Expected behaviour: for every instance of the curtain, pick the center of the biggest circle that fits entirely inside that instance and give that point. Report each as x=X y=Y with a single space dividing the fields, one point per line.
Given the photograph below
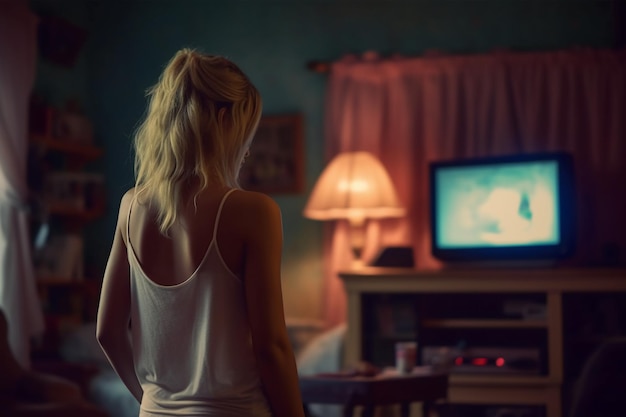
x=18 y=296
x=410 y=111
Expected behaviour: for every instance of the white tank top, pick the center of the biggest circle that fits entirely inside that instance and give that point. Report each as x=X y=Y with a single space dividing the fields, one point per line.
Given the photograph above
x=191 y=341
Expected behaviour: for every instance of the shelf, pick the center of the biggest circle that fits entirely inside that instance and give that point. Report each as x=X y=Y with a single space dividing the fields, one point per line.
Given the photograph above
x=71 y=197
x=63 y=318
x=83 y=284
x=484 y=308
x=59 y=282
x=491 y=380
x=76 y=213
x=484 y=323
x=395 y=336
x=67 y=146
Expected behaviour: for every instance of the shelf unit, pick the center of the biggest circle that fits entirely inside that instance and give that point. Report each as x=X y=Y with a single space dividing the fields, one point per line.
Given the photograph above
x=67 y=300
x=86 y=153
x=453 y=303
x=483 y=324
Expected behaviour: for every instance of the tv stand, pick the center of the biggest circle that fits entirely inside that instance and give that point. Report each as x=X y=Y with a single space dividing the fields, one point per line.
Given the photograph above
x=388 y=305
x=503 y=264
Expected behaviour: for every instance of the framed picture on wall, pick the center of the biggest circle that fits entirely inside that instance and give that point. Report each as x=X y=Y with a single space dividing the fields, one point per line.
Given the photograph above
x=276 y=161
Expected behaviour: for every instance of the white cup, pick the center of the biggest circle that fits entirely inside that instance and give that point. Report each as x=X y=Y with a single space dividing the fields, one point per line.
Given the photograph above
x=406 y=356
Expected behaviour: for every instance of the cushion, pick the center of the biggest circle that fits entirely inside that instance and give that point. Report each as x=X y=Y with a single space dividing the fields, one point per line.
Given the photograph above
x=81 y=346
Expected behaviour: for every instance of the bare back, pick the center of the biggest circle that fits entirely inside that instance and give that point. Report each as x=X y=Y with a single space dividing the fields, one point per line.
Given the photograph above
x=249 y=242
x=172 y=260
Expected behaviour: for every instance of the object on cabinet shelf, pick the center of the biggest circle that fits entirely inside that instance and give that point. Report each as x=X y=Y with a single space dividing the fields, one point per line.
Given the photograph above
x=66 y=125
x=61 y=257
x=395 y=317
x=484 y=360
x=74 y=128
x=74 y=191
x=82 y=153
x=395 y=257
x=525 y=309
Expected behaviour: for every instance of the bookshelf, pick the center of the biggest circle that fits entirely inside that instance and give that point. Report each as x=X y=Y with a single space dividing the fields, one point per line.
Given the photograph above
x=69 y=197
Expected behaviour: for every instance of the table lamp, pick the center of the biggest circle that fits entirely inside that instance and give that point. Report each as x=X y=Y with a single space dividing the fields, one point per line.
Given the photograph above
x=355 y=186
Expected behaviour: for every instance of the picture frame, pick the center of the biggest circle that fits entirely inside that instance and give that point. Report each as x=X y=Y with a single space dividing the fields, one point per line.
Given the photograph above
x=276 y=161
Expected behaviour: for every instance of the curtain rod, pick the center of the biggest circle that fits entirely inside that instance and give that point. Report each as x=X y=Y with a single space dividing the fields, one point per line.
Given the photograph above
x=321 y=67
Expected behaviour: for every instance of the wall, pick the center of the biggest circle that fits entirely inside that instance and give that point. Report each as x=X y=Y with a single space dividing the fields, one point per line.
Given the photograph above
x=272 y=41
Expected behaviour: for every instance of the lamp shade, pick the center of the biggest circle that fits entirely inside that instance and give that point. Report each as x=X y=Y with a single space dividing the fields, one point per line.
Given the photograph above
x=354 y=186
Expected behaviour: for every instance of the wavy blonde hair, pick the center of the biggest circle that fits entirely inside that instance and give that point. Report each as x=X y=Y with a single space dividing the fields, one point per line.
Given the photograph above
x=201 y=117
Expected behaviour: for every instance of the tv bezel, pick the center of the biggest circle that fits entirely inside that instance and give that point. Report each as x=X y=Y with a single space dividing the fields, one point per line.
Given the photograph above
x=566 y=213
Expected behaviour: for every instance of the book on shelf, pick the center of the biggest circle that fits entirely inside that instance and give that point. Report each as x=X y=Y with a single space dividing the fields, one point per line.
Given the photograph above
x=74 y=190
x=61 y=258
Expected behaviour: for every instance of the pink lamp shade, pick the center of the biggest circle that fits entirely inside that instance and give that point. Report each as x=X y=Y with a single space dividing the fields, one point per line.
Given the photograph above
x=354 y=186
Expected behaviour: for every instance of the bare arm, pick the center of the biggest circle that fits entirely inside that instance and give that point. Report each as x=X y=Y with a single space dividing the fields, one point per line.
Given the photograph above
x=274 y=354
x=113 y=321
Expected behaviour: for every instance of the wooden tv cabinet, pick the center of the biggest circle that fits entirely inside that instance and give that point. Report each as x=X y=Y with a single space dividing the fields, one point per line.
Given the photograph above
x=449 y=291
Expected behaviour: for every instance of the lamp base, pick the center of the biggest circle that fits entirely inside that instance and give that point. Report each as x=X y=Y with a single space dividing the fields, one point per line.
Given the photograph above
x=357 y=260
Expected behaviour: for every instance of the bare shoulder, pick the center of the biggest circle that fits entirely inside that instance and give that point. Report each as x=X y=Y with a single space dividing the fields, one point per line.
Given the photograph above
x=123 y=210
x=253 y=205
x=253 y=214
x=127 y=197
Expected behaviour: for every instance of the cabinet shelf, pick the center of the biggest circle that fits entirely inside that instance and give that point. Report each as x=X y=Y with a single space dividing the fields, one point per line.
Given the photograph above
x=76 y=213
x=498 y=380
x=484 y=324
x=484 y=309
x=394 y=336
x=64 y=282
x=63 y=145
x=70 y=196
x=66 y=318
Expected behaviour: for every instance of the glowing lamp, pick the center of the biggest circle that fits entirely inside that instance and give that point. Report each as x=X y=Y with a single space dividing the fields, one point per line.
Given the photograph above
x=355 y=187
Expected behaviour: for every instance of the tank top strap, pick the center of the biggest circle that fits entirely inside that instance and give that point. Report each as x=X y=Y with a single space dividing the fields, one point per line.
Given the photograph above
x=219 y=212
x=130 y=207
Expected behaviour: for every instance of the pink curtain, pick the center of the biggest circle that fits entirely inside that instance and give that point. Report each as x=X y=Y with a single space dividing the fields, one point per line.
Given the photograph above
x=18 y=296
x=410 y=111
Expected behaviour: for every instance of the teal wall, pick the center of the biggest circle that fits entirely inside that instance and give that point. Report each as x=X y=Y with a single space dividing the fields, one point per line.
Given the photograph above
x=272 y=41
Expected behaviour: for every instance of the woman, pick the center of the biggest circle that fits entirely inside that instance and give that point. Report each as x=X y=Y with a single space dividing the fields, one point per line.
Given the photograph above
x=191 y=313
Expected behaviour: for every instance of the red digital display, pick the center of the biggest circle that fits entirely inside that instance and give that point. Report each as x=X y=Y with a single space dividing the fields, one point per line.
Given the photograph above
x=479 y=361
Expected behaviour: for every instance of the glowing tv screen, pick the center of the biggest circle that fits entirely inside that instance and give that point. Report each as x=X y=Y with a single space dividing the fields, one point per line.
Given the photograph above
x=514 y=207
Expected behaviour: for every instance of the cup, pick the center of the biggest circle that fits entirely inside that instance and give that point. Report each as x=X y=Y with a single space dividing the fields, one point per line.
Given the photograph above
x=406 y=355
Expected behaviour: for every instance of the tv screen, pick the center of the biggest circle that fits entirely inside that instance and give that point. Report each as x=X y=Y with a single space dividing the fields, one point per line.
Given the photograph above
x=498 y=208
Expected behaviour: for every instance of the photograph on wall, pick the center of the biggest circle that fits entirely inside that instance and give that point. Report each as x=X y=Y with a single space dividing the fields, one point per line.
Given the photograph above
x=275 y=163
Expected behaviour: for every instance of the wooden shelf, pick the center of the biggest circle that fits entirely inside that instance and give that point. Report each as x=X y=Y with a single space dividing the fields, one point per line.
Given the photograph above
x=491 y=380
x=392 y=337
x=62 y=282
x=72 y=197
x=76 y=213
x=65 y=318
x=545 y=388
x=87 y=285
x=484 y=323
x=65 y=145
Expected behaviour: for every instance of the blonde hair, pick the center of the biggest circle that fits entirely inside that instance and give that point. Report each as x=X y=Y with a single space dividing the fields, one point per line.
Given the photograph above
x=201 y=117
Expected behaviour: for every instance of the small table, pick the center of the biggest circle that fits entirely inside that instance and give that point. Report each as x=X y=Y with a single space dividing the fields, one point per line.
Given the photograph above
x=422 y=385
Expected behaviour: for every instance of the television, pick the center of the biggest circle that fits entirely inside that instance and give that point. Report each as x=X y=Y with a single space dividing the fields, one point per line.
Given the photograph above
x=504 y=208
